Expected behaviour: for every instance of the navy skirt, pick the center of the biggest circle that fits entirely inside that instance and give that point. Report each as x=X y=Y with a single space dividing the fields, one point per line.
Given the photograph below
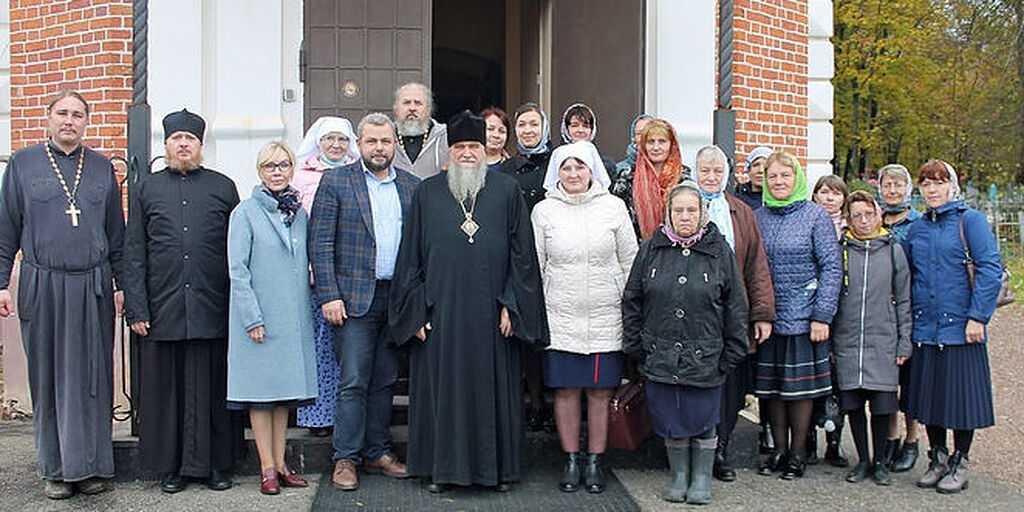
x=569 y=370
x=951 y=386
x=269 y=406
x=678 y=412
x=791 y=367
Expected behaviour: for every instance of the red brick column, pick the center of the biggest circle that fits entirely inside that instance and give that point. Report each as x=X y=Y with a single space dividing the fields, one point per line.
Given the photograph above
x=80 y=44
x=769 y=84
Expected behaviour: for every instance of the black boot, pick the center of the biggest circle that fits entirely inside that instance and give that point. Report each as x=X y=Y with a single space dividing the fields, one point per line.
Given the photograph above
x=812 y=446
x=834 y=449
x=907 y=458
x=571 y=476
x=722 y=470
x=593 y=476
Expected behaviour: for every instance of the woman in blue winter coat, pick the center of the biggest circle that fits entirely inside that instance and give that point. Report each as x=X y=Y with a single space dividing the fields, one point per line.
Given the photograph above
x=950 y=384
x=793 y=364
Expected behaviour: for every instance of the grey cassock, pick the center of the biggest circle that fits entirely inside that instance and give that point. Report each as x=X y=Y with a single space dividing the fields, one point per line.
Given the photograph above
x=65 y=302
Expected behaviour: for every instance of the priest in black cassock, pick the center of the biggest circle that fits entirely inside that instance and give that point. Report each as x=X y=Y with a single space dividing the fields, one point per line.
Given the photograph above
x=61 y=206
x=466 y=293
x=176 y=300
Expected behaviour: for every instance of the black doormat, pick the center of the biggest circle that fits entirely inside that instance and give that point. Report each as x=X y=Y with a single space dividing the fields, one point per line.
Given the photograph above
x=538 y=492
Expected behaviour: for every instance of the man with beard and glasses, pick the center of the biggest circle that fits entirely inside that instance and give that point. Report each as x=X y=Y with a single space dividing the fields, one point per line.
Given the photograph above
x=466 y=293
x=176 y=301
x=61 y=207
x=422 y=142
x=355 y=230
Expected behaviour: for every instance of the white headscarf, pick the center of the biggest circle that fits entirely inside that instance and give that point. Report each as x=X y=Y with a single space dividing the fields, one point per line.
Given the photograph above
x=583 y=151
x=565 y=129
x=718 y=206
x=954 y=183
x=311 y=142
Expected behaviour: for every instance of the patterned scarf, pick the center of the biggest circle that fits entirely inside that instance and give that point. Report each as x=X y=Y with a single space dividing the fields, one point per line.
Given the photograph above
x=288 y=203
x=649 y=187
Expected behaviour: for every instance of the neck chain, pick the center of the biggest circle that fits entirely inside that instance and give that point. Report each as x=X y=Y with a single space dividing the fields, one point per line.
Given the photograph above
x=469 y=226
x=401 y=140
x=72 y=210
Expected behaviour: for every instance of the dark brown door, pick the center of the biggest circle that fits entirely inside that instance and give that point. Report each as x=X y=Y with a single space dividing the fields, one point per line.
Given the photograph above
x=357 y=52
x=597 y=58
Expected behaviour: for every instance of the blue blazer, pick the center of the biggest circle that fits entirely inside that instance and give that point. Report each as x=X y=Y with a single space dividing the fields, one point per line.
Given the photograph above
x=342 y=247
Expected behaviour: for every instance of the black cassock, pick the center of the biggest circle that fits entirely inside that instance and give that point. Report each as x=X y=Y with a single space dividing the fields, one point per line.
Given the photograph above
x=176 y=277
x=465 y=396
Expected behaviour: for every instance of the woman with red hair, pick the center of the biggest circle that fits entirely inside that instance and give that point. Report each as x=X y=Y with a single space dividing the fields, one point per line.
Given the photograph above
x=659 y=167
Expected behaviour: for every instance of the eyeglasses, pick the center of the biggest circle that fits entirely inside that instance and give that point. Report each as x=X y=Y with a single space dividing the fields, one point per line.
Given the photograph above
x=333 y=139
x=868 y=215
x=284 y=165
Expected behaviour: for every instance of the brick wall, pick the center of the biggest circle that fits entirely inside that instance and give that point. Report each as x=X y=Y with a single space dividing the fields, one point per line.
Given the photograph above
x=770 y=75
x=79 y=44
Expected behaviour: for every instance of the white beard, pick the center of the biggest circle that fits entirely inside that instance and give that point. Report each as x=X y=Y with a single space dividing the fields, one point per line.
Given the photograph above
x=413 y=127
x=466 y=181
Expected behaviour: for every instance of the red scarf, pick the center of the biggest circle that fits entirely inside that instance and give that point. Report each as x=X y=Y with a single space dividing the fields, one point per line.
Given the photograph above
x=650 y=188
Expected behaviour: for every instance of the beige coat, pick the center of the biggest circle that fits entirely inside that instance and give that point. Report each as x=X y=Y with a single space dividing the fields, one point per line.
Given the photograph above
x=585 y=246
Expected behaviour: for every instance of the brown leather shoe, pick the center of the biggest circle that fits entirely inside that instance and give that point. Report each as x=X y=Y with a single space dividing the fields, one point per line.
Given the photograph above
x=345 y=477
x=387 y=464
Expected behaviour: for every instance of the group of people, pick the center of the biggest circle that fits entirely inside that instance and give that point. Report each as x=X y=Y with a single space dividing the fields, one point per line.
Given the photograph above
x=406 y=237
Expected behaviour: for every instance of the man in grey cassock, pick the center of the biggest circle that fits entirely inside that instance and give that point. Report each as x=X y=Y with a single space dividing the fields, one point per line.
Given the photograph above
x=61 y=206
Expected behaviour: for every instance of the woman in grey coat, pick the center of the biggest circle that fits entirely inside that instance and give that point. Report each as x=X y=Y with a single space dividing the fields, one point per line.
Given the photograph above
x=271 y=349
x=871 y=331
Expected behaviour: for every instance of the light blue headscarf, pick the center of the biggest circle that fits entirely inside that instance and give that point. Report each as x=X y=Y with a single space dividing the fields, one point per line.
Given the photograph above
x=543 y=146
x=630 y=160
x=718 y=206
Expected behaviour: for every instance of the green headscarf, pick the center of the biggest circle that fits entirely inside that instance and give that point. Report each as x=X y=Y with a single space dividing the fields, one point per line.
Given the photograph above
x=800 y=190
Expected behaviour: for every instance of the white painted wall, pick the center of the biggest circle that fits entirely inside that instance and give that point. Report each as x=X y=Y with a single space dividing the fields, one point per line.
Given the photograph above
x=5 y=83
x=820 y=70
x=680 y=69
x=227 y=60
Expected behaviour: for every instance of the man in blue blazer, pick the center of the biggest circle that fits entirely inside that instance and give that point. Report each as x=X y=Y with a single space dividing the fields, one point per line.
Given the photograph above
x=354 y=234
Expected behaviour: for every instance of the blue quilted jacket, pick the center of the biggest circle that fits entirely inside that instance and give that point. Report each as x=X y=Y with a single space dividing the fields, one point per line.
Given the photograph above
x=804 y=257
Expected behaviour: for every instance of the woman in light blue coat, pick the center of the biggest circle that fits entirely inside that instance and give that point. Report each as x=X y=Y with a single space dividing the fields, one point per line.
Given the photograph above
x=271 y=354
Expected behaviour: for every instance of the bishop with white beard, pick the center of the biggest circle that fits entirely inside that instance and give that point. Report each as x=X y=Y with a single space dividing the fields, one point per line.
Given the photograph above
x=466 y=294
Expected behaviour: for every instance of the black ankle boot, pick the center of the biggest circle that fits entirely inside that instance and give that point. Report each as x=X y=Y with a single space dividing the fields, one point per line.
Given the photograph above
x=834 y=449
x=571 y=476
x=593 y=476
x=906 y=459
x=722 y=470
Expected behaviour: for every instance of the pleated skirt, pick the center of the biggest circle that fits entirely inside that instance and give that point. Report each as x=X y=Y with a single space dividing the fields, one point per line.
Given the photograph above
x=678 y=412
x=951 y=386
x=791 y=367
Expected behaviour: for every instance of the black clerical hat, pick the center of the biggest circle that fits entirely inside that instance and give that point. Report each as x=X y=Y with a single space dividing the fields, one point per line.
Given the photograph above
x=184 y=121
x=465 y=126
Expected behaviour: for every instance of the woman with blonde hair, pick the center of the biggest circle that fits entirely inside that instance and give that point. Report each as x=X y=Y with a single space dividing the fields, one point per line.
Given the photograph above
x=271 y=356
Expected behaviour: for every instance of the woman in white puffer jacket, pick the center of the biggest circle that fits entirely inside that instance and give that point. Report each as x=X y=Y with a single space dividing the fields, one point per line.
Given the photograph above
x=585 y=246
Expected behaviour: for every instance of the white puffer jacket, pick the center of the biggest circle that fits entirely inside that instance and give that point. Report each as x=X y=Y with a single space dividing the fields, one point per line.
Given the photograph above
x=585 y=246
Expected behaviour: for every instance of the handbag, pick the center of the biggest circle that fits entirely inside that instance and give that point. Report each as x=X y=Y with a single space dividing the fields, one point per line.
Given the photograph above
x=1005 y=292
x=629 y=421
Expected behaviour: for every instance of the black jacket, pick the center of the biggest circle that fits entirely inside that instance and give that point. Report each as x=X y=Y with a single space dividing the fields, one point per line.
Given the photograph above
x=175 y=254
x=528 y=176
x=685 y=311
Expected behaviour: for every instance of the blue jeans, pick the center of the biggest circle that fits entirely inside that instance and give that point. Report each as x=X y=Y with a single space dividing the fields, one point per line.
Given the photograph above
x=369 y=369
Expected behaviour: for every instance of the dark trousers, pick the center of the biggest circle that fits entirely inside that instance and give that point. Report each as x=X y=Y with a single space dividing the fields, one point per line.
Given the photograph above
x=369 y=368
x=184 y=423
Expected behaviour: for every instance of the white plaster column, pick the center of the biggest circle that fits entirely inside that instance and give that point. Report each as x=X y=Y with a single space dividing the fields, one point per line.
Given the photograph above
x=229 y=61
x=679 y=82
x=820 y=70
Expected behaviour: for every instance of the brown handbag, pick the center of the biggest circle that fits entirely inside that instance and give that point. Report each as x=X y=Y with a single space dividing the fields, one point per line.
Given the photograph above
x=629 y=421
x=1005 y=292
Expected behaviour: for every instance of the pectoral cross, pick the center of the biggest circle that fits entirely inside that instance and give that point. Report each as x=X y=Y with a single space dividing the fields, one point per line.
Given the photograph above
x=73 y=212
